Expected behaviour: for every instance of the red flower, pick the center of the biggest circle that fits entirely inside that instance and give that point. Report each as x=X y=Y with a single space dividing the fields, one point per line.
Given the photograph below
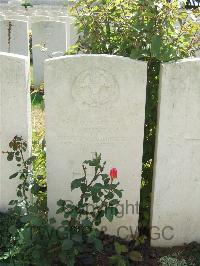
x=113 y=173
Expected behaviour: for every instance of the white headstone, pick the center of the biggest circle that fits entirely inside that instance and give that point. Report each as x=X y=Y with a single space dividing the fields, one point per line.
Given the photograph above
x=95 y=103
x=176 y=189
x=49 y=2
x=18 y=17
x=38 y=18
x=72 y=33
x=48 y=37
x=2 y=17
x=14 y=37
x=15 y=117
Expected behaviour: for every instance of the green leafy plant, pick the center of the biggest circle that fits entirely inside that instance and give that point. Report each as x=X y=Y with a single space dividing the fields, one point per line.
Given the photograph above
x=39 y=166
x=171 y=261
x=30 y=239
x=37 y=96
x=123 y=256
x=26 y=4
x=6 y=243
x=99 y=198
x=35 y=237
x=192 y=254
x=143 y=30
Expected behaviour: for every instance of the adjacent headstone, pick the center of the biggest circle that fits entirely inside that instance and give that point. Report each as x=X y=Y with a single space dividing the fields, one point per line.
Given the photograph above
x=38 y=18
x=2 y=17
x=176 y=189
x=14 y=37
x=18 y=17
x=48 y=37
x=95 y=103
x=15 y=117
x=49 y=2
x=72 y=33
x=14 y=2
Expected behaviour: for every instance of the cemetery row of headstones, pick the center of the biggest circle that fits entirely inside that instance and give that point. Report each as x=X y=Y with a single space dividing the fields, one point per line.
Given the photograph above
x=35 y=18
x=96 y=103
x=48 y=39
x=50 y=28
x=36 y=2
x=34 y=14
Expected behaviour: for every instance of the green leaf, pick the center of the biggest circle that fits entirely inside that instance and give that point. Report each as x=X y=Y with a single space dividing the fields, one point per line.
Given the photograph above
x=109 y=213
x=97 y=186
x=14 y=175
x=117 y=260
x=18 y=159
x=36 y=221
x=77 y=238
x=86 y=222
x=110 y=195
x=83 y=187
x=118 y=192
x=13 y=202
x=114 y=259
x=104 y=176
x=120 y=248
x=65 y=222
x=61 y=202
x=12 y=229
x=95 y=198
x=60 y=210
x=74 y=213
x=27 y=235
x=33 y=208
x=66 y=215
x=135 y=53
x=52 y=220
x=19 y=193
x=114 y=186
x=106 y=181
x=70 y=260
x=35 y=189
x=10 y=156
x=30 y=160
x=114 y=202
x=67 y=244
x=98 y=244
x=99 y=217
x=77 y=183
x=135 y=256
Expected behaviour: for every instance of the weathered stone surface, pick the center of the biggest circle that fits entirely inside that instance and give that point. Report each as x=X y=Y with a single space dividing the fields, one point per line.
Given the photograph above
x=15 y=117
x=72 y=34
x=14 y=37
x=95 y=103
x=49 y=2
x=48 y=37
x=176 y=189
x=38 y=18
x=17 y=17
x=2 y=17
